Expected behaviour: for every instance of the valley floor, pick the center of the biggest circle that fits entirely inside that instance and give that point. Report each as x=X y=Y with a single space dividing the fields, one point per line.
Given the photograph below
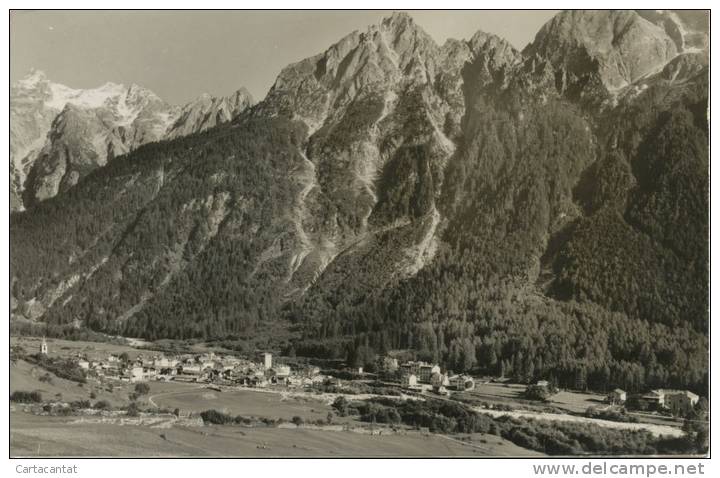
x=32 y=435
x=158 y=433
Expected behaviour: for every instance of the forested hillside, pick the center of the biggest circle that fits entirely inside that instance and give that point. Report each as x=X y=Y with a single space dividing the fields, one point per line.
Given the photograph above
x=171 y=228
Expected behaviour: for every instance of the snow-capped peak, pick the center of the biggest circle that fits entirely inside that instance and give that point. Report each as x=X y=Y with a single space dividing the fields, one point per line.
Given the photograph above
x=89 y=98
x=32 y=79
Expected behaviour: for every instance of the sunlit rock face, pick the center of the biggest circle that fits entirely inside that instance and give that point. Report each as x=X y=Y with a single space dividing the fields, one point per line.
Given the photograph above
x=383 y=109
x=208 y=111
x=619 y=47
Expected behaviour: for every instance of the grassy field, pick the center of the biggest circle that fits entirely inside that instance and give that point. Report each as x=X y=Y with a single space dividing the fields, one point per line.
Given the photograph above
x=25 y=376
x=513 y=394
x=192 y=398
x=70 y=348
x=564 y=401
x=52 y=436
x=32 y=435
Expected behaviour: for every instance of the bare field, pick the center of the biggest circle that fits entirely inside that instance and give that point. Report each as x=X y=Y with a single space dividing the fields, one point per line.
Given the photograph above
x=51 y=436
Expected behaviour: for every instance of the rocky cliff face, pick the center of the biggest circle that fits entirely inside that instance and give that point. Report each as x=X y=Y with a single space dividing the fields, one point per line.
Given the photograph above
x=383 y=110
x=466 y=201
x=207 y=112
x=74 y=131
x=59 y=134
x=30 y=120
x=689 y=29
x=618 y=47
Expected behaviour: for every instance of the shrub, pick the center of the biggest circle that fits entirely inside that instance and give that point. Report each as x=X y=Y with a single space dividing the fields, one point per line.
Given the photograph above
x=616 y=415
x=25 y=397
x=132 y=410
x=102 y=405
x=341 y=404
x=242 y=420
x=63 y=368
x=142 y=389
x=523 y=439
x=269 y=421
x=540 y=392
x=216 y=418
x=80 y=404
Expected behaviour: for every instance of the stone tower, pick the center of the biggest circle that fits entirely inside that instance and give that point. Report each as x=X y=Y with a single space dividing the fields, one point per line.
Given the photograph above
x=43 y=347
x=268 y=360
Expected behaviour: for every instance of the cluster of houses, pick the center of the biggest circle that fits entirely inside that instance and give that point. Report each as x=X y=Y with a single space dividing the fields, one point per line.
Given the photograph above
x=231 y=370
x=421 y=375
x=678 y=402
x=207 y=367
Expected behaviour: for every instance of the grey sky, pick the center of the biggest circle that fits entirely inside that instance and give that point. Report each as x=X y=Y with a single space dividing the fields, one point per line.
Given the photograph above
x=180 y=55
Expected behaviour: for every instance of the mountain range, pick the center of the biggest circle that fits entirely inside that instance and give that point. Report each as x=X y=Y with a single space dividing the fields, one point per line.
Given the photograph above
x=534 y=213
x=59 y=134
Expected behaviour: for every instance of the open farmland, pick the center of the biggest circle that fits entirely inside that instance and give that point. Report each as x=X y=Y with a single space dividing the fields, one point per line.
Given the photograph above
x=71 y=348
x=54 y=436
x=25 y=376
x=565 y=405
x=193 y=398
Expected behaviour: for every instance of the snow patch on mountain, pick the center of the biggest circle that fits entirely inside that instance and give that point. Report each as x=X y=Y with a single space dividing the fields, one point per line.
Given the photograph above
x=60 y=95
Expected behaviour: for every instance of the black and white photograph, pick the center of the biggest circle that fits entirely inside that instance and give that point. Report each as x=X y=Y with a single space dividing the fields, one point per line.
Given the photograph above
x=358 y=234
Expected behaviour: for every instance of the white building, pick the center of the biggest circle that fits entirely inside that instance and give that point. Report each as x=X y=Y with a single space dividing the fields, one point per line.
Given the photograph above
x=439 y=380
x=617 y=397
x=410 y=380
x=136 y=374
x=267 y=360
x=191 y=369
x=282 y=371
x=423 y=371
x=390 y=364
x=462 y=382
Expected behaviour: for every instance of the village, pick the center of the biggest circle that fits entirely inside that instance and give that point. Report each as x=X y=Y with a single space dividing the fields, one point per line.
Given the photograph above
x=230 y=370
x=217 y=370
x=180 y=390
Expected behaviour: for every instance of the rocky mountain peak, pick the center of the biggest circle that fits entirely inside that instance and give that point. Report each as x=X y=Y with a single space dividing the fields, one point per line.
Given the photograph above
x=394 y=52
x=241 y=97
x=689 y=29
x=620 y=46
x=398 y=20
x=32 y=79
x=207 y=111
x=138 y=93
x=483 y=42
x=59 y=133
